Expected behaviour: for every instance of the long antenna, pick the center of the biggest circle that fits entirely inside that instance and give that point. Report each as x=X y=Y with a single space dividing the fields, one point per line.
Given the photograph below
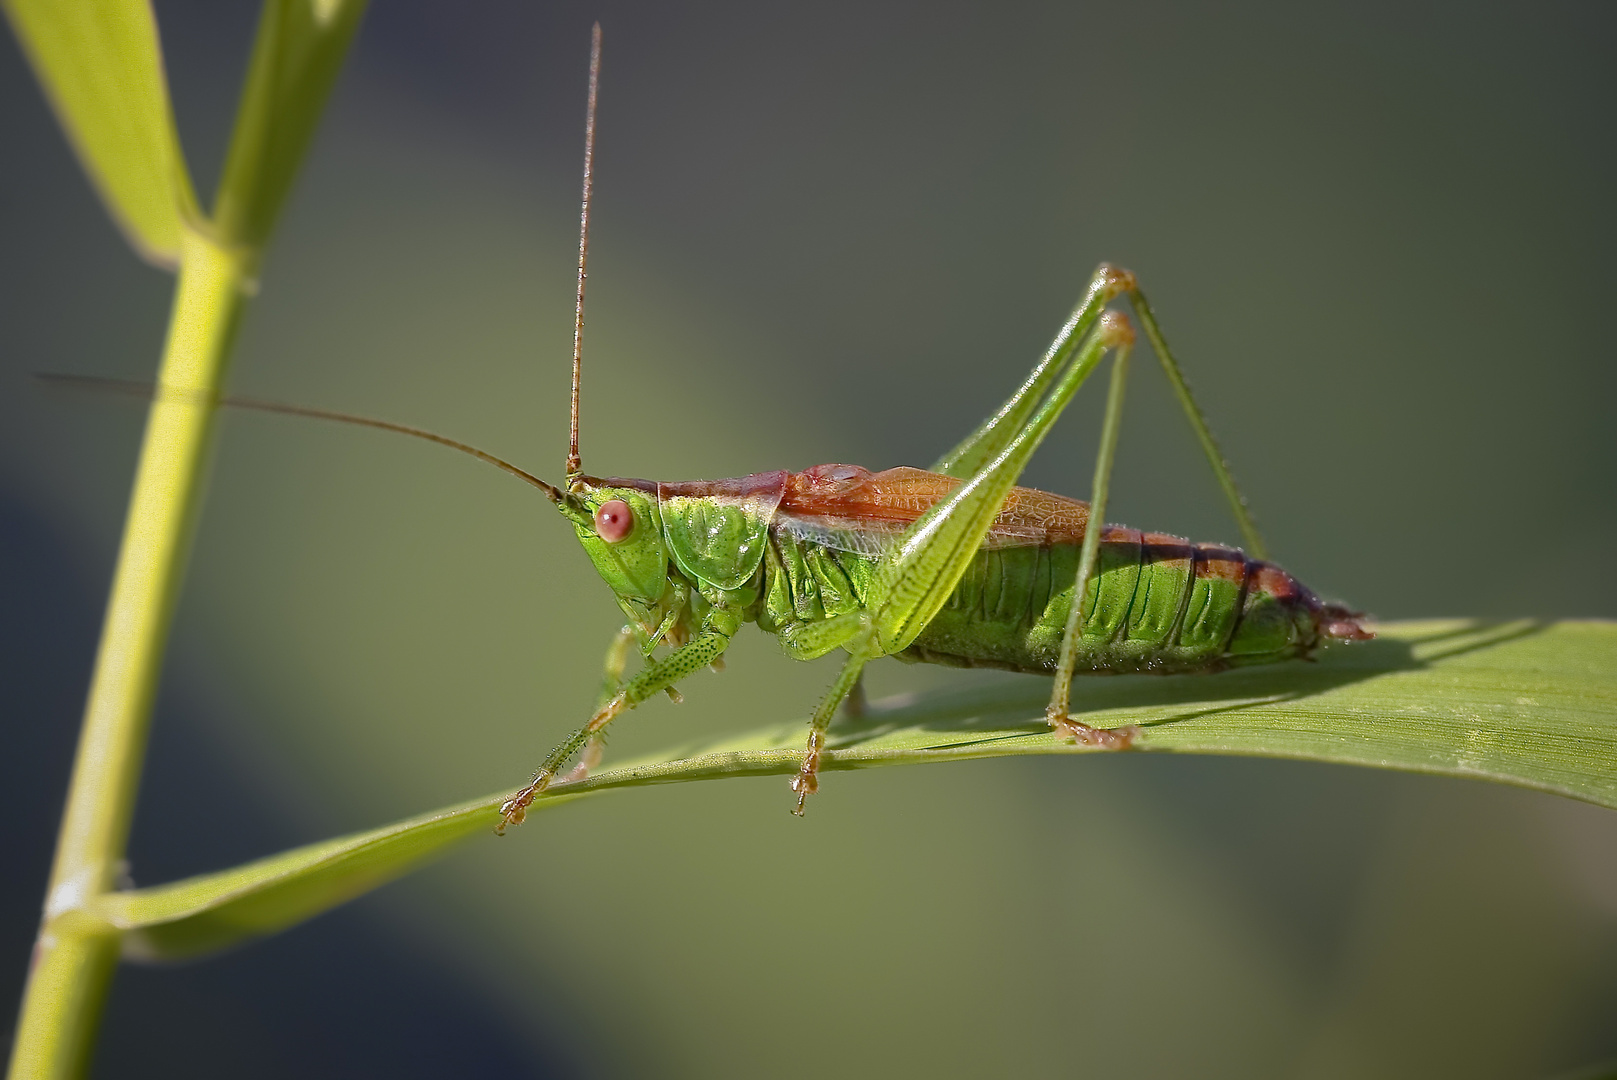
x=573 y=463
x=147 y=390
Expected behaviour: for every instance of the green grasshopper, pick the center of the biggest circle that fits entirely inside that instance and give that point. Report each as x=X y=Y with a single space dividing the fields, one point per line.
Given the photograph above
x=950 y=565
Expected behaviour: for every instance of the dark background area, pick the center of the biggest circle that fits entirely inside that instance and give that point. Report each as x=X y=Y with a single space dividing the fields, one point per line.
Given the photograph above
x=1379 y=239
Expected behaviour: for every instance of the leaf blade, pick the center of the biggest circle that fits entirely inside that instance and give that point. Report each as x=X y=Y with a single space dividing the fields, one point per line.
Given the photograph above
x=1529 y=704
x=101 y=68
x=298 y=53
x=212 y=911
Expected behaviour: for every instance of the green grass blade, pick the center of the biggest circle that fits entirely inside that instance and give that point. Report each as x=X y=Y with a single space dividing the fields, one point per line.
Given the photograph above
x=215 y=910
x=1526 y=703
x=297 y=55
x=102 y=70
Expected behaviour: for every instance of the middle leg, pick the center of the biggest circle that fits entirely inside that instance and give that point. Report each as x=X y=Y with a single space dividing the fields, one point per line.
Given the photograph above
x=807 y=782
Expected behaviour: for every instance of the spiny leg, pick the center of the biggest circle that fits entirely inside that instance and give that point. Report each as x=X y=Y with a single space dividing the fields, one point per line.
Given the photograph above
x=695 y=654
x=806 y=641
x=1221 y=468
x=807 y=782
x=981 y=446
x=1088 y=555
x=1058 y=712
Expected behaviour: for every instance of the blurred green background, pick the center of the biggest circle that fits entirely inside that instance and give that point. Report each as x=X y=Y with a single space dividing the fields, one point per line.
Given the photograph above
x=1379 y=237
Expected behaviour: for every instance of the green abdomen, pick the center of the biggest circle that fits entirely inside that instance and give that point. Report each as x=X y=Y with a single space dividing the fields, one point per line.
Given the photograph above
x=1159 y=604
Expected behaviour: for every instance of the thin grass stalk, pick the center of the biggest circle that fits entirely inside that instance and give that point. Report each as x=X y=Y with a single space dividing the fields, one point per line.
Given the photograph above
x=75 y=952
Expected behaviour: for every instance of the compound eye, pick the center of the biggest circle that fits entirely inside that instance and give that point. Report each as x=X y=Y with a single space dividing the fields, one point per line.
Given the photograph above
x=614 y=520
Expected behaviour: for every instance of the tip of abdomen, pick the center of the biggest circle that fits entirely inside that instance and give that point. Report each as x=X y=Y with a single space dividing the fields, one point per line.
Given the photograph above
x=1335 y=621
x=1284 y=608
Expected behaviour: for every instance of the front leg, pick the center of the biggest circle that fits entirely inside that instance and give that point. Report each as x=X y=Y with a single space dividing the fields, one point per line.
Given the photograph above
x=694 y=655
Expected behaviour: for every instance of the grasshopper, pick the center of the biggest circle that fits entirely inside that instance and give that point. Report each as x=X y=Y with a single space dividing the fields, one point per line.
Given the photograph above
x=949 y=565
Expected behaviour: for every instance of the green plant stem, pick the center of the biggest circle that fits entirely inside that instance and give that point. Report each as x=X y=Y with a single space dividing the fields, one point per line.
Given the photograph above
x=75 y=952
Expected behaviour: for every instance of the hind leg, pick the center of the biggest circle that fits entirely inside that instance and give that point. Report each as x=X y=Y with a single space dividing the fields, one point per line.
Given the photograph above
x=910 y=586
x=1106 y=284
x=1058 y=712
x=1198 y=423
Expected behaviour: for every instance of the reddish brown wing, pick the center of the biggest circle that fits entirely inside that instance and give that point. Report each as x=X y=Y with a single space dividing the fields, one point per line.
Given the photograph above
x=847 y=496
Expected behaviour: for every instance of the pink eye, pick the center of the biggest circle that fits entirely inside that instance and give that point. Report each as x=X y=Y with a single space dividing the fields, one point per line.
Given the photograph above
x=614 y=520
